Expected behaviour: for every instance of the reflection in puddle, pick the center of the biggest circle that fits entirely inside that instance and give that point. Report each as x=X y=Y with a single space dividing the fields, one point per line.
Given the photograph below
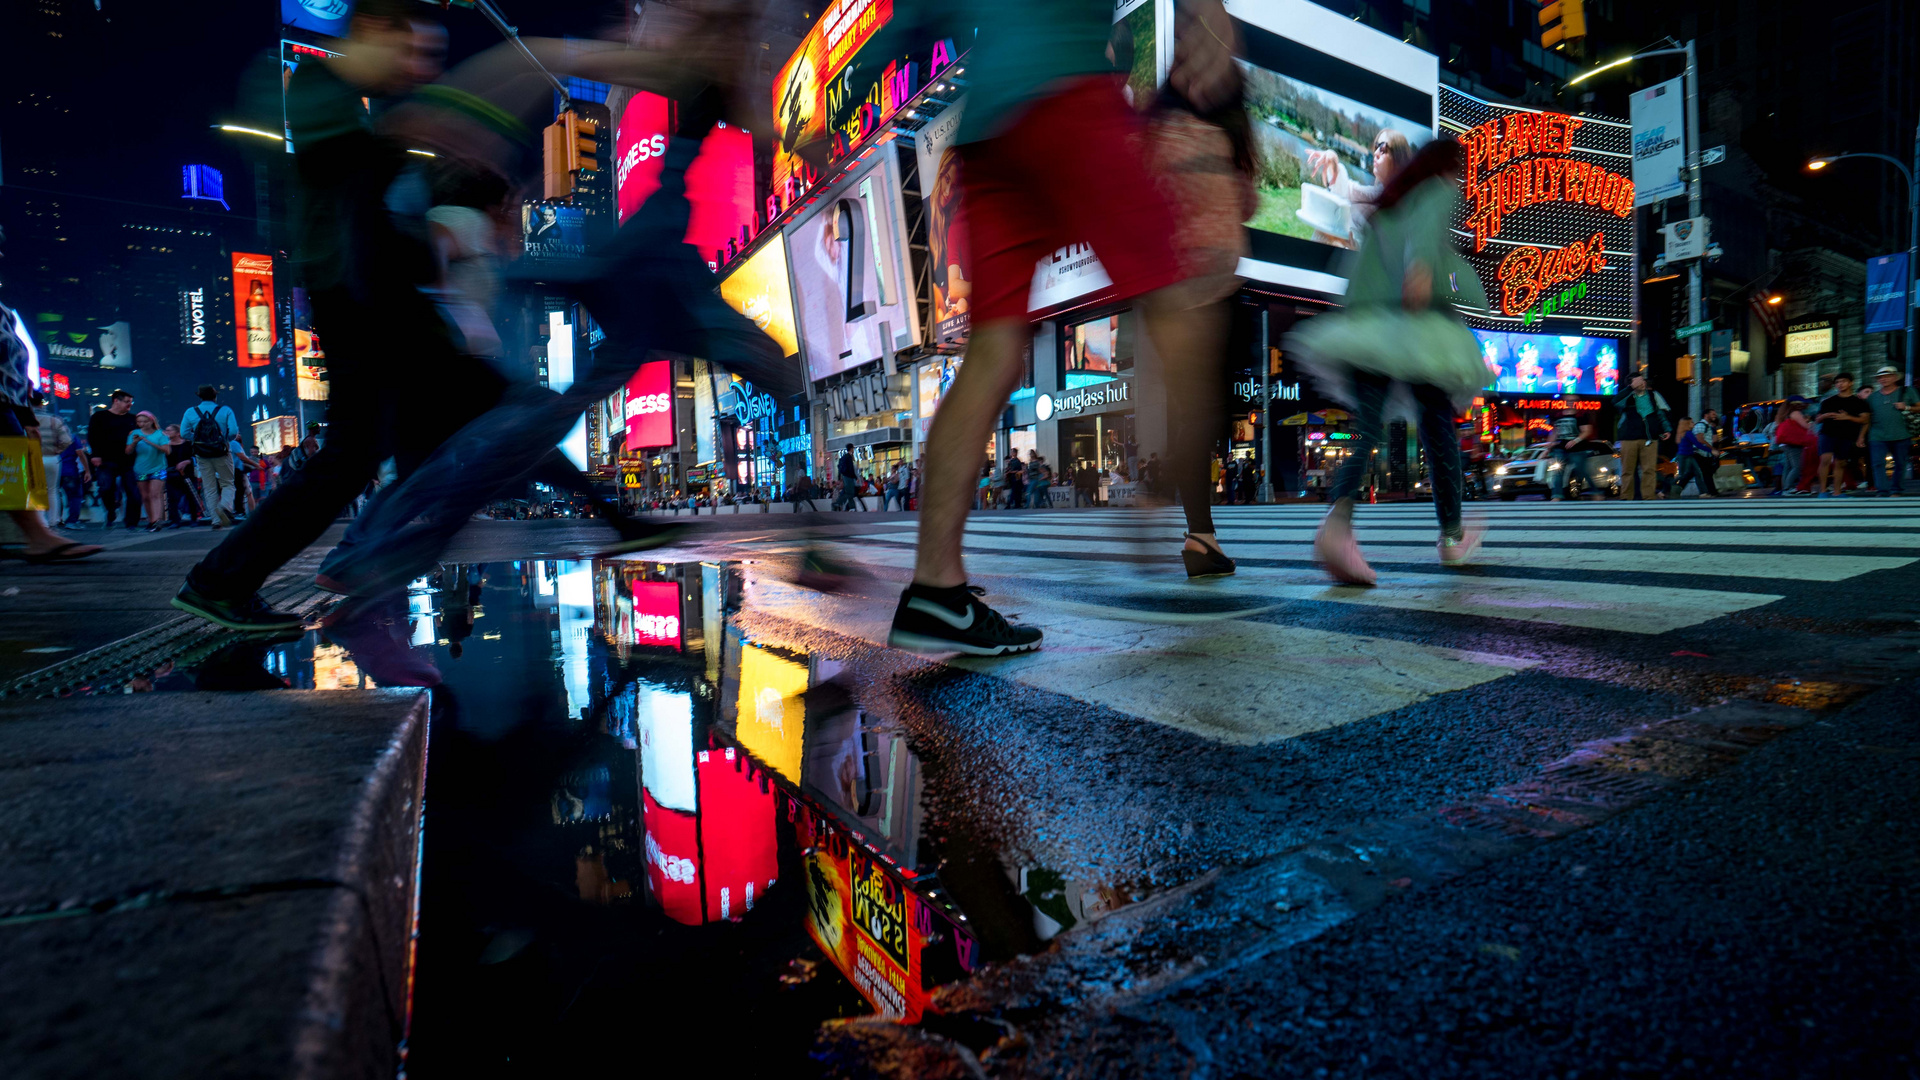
x=605 y=733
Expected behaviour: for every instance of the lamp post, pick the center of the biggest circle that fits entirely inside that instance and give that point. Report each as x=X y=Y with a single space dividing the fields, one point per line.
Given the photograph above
x=1690 y=79
x=1913 y=227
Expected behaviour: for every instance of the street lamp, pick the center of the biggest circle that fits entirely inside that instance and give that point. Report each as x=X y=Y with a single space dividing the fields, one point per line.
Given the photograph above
x=1913 y=226
x=1691 y=80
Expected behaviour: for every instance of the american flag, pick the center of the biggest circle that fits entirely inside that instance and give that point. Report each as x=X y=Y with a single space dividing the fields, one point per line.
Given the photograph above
x=1770 y=315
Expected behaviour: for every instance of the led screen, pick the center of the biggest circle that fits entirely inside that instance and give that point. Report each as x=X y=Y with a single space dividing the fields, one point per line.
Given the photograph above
x=847 y=261
x=649 y=406
x=1550 y=364
x=757 y=288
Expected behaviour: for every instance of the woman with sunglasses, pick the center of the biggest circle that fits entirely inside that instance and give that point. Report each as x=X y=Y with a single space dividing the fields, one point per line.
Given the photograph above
x=1390 y=153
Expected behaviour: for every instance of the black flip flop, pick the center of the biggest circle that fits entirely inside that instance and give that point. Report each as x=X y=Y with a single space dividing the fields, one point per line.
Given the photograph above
x=59 y=554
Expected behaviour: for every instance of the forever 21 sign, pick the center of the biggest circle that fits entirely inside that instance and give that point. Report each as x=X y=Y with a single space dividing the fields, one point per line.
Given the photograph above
x=862 y=396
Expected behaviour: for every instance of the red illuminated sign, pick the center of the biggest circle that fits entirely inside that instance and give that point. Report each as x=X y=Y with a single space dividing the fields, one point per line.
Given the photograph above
x=61 y=387
x=1528 y=272
x=656 y=613
x=736 y=834
x=639 y=146
x=253 y=321
x=1578 y=405
x=720 y=190
x=649 y=405
x=1520 y=160
x=673 y=854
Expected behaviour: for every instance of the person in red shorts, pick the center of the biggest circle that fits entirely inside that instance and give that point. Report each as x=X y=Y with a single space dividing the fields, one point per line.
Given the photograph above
x=1050 y=156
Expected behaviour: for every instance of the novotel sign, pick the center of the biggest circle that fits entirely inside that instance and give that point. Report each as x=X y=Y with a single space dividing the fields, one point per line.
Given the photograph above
x=1111 y=392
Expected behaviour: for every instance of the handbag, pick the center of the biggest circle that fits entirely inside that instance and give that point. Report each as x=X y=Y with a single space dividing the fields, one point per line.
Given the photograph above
x=23 y=475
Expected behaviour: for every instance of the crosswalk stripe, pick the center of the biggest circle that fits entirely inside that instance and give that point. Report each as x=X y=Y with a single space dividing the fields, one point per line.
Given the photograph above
x=1232 y=681
x=1624 y=608
x=1381 y=533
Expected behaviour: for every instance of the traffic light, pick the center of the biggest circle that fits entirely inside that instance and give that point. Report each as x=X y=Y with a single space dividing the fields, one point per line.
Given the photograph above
x=570 y=145
x=1683 y=367
x=1569 y=18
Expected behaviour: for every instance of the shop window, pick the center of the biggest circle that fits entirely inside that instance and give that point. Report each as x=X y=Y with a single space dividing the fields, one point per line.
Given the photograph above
x=1098 y=349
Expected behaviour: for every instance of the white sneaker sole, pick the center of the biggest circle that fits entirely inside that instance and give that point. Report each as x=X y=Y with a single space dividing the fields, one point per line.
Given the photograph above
x=933 y=646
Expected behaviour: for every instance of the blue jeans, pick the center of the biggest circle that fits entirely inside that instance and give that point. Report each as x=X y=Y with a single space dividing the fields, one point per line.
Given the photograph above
x=1038 y=495
x=1437 y=437
x=1786 y=467
x=1572 y=463
x=1877 y=452
x=117 y=483
x=74 y=491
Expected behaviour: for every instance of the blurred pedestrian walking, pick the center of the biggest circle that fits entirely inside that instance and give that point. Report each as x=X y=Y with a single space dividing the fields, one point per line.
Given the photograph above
x=20 y=435
x=211 y=427
x=1695 y=461
x=1642 y=427
x=107 y=433
x=1888 y=435
x=1792 y=438
x=183 y=507
x=1401 y=329
x=56 y=439
x=1843 y=417
x=149 y=446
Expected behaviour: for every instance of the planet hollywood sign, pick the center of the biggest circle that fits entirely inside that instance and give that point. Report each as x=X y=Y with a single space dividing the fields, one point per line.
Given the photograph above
x=1545 y=220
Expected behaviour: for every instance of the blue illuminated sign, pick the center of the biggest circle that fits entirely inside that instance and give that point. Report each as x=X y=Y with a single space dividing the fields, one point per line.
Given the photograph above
x=327 y=17
x=1550 y=363
x=203 y=182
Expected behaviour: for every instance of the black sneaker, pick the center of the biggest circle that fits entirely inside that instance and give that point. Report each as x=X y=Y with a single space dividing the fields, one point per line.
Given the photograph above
x=251 y=615
x=952 y=620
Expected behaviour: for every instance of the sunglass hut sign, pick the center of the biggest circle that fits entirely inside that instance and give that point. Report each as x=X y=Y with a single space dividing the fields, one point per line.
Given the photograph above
x=1545 y=218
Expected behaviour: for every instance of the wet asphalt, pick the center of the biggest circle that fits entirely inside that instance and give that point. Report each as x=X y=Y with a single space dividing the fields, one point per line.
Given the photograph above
x=1678 y=853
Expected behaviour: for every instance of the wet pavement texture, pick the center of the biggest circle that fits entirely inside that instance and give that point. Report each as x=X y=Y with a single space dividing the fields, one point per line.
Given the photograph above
x=1600 y=805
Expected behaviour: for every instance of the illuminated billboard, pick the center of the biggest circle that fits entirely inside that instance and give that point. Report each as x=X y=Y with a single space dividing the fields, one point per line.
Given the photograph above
x=757 y=288
x=1550 y=363
x=253 y=320
x=639 y=150
x=649 y=406
x=656 y=613
x=720 y=193
x=553 y=230
x=849 y=263
x=1545 y=216
x=770 y=718
x=1336 y=107
x=329 y=17
x=809 y=87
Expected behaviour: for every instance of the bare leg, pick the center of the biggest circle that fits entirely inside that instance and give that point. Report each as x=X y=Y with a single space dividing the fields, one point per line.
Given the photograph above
x=960 y=429
x=40 y=539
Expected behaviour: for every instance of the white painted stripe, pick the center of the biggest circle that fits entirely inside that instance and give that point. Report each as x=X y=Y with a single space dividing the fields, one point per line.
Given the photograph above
x=1381 y=533
x=1634 y=609
x=1230 y=681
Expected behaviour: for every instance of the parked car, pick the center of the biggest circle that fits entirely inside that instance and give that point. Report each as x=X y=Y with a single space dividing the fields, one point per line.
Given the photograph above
x=1530 y=472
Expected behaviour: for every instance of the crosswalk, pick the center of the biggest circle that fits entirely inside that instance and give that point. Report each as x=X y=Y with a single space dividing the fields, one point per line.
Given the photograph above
x=1276 y=650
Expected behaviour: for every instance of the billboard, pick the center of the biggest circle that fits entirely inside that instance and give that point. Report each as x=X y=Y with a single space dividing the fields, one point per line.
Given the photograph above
x=769 y=716
x=1335 y=108
x=656 y=613
x=1659 y=142
x=809 y=88
x=1550 y=364
x=649 y=406
x=552 y=230
x=849 y=264
x=276 y=433
x=758 y=289
x=639 y=146
x=253 y=308
x=1810 y=337
x=1887 y=278
x=949 y=261
x=720 y=192
x=309 y=358
x=1545 y=217
x=329 y=17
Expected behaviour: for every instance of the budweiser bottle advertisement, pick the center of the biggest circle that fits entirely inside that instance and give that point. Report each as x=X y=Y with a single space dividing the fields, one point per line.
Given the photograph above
x=259 y=324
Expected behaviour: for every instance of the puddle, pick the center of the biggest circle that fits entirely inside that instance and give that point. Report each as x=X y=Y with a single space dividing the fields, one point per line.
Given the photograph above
x=636 y=813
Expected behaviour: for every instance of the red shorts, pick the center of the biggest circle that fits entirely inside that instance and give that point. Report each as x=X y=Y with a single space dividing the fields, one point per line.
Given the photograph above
x=1069 y=171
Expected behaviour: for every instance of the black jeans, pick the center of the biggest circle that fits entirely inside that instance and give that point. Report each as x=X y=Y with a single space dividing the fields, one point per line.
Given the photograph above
x=374 y=353
x=1693 y=468
x=1437 y=438
x=117 y=483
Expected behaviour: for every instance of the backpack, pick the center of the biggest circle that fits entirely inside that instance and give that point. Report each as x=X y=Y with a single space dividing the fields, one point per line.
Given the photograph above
x=209 y=438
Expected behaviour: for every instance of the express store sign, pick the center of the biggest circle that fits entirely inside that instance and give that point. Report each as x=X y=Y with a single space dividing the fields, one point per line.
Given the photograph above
x=1546 y=214
x=649 y=406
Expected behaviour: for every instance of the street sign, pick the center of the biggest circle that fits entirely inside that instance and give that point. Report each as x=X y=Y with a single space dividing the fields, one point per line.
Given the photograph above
x=1696 y=328
x=1713 y=155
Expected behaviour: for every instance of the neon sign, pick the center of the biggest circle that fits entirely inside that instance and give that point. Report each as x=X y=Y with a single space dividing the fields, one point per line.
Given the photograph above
x=1556 y=403
x=1504 y=172
x=1545 y=216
